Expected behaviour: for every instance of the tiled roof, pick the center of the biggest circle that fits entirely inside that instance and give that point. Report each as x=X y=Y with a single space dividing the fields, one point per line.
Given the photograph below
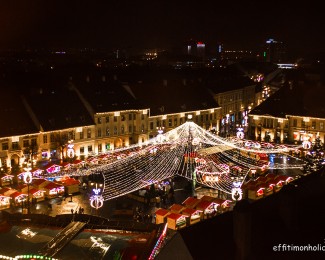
x=104 y=93
x=57 y=105
x=303 y=99
x=14 y=118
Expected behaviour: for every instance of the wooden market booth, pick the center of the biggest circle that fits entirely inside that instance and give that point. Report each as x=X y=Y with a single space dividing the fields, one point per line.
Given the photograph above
x=53 y=190
x=71 y=185
x=5 y=179
x=193 y=215
x=161 y=215
x=4 y=202
x=37 y=195
x=176 y=221
x=222 y=205
x=208 y=208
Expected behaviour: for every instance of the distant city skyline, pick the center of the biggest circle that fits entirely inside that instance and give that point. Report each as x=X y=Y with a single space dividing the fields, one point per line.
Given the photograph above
x=160 y=24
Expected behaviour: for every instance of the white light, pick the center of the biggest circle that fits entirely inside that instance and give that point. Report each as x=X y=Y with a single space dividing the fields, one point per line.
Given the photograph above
x=96 y=201
x=28 y=177
x=132 y=168
x=236 y=194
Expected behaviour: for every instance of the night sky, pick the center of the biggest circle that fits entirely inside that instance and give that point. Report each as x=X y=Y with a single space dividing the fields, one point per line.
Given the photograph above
x=163 y=24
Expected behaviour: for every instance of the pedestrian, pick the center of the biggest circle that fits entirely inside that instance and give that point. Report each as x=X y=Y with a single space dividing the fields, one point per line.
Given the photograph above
x=72 y=211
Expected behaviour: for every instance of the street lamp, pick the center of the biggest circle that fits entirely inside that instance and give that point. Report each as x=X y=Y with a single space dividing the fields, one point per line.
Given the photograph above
x=28 y=178
x=97 y=200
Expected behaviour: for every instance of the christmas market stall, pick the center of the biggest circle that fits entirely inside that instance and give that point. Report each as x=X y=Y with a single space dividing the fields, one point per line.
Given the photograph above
x=5 y=179
x=161 y=215
x=209 y=208
x=4 y=202
x=193 y=215
x=176 y=221
x=222 y=205
x=53 y=190
x=71 y=185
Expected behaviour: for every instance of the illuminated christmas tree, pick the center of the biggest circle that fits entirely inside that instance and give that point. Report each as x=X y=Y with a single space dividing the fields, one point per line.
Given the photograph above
x=315 y=157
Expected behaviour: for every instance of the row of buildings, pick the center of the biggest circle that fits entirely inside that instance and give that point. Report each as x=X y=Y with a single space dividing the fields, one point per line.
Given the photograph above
x=65 y=113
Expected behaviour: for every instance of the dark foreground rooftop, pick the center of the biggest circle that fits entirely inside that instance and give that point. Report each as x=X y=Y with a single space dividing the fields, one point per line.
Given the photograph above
x=258 y=230
x=99 y=239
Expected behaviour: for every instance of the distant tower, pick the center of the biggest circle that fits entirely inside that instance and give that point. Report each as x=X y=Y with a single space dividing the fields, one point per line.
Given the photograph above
x=219 y=52
x=200 y=49
x=194 y=48
x=191 y=48
x=274 y=51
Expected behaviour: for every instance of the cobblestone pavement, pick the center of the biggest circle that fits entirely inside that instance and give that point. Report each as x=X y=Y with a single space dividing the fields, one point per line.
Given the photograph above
x=115 y=209
x=122 y=207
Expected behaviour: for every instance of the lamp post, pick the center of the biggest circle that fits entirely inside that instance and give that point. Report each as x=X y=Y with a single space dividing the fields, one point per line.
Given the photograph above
x=28 y=178
x=260 y=132
x=97 y=200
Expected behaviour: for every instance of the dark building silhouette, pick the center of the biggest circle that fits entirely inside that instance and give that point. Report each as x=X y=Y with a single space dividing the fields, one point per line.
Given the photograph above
x=274 y=51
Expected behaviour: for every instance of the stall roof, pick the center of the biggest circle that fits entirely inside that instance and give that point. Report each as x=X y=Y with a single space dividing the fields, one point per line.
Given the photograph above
x=189 y=211
x=4 y=190
x=70 y=181
x=176 y=207
x=33 y=191
x=52 y=185
x=39 y=181
x=17 y=194
x=204 y=204
x=162 y=212
x=175 y=216
x=221 y=201
x=207 y=198
x=191 y=201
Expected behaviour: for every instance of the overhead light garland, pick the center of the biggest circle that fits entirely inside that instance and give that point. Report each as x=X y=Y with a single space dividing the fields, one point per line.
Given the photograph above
x=188 y=151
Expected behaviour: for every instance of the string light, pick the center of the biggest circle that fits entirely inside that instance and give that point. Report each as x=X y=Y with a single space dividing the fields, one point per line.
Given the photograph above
x=186 y=151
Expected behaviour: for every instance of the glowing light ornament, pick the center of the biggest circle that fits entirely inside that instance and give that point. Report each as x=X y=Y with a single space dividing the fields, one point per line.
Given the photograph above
x=196 y=141
x=240 y=133
x=160 y=137
x=306 y=144
x=97 y=200
x=28 y=177
x=236 y=191
x=70 y=151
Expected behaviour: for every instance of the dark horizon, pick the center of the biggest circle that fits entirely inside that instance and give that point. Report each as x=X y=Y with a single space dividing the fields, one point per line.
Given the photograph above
x=160 y=24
